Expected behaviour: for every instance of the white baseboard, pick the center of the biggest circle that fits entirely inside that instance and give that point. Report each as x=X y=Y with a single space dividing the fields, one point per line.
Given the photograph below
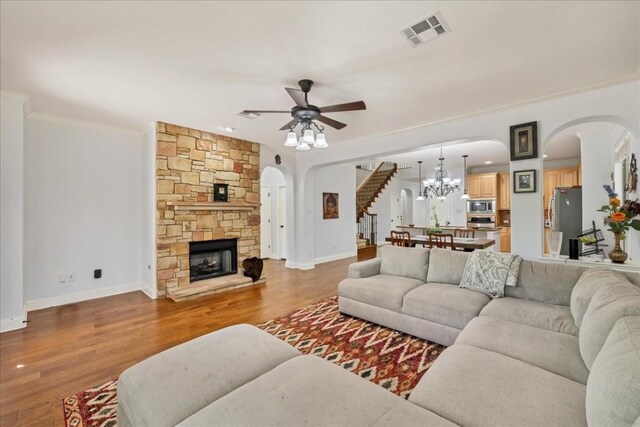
x=335 y=257
x=149 y=291
x=300 y=265
x=13 y=323
x=80 y=296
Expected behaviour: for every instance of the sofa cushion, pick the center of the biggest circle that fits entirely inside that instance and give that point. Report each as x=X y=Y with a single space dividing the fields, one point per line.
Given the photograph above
x=613 y=389
x=303 y=391
x=170 y=386
x=444 y=303
x=545 y=316
x=586 y=287
x=489 y=272
x=553 y=351
x=446 y=266
x=545 y=282
x=406 y=262
x=608 y=304
x=381 y=290
x=475 y=387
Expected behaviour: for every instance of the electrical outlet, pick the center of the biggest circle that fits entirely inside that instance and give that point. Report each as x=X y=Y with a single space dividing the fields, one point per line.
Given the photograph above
x=62 y=278
x=71 y=277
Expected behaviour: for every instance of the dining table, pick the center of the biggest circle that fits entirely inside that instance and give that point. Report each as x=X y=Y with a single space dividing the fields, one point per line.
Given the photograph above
x=470 y=243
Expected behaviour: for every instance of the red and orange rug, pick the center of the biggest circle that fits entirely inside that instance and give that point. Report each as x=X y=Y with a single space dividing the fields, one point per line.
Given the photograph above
x=391 y=359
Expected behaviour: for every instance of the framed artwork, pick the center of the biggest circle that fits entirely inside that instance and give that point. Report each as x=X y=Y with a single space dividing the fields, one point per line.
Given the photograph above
x=524 y=141
x=524 y=181
x=330 y=205
x=220 y=192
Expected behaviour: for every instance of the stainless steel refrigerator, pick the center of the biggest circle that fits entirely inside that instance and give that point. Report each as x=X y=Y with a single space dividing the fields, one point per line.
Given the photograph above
x=566 y=214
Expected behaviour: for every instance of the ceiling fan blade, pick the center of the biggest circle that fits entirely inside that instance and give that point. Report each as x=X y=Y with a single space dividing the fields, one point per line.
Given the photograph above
x=298 y=96
x=333 y=123
x=290 y=124
x=266 y=111
x=349 y=106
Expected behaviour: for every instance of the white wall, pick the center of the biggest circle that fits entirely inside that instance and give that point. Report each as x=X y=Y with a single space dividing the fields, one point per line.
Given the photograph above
x=335 y=238
x=148 y=213
x=82 y=210
x=273 y=178
x=12 y=310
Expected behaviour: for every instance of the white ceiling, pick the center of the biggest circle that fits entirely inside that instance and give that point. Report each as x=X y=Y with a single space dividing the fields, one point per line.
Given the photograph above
x=199 y=63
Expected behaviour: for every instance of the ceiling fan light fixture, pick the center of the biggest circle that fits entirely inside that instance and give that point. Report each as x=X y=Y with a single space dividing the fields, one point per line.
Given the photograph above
x=321 y=141
x=307 y=136
x=302 y=146
x=292 y=139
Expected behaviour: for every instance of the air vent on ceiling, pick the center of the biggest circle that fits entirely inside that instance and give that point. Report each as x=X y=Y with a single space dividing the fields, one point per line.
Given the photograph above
x=251 y=116
x=426 y=29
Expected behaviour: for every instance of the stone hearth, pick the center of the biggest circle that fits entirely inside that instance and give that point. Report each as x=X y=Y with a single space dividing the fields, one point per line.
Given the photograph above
x=188 y=162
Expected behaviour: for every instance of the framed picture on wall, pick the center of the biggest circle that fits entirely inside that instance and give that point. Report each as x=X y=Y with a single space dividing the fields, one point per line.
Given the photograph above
x=524 y=141
x=221 y=192
x=330 y=205
x=524 y=181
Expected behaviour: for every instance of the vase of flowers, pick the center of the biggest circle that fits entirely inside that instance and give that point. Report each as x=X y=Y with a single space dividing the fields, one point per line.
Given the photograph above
x=619 y=218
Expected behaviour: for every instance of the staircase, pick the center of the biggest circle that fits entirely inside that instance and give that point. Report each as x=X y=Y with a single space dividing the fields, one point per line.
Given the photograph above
x=366 y=194
x=372 y=186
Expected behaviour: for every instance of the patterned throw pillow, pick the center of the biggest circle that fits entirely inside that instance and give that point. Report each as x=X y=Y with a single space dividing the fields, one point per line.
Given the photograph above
x=489 y=272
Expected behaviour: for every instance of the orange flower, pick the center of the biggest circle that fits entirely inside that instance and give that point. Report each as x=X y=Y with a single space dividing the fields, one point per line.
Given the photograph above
x=614 y=201
x=618 y=217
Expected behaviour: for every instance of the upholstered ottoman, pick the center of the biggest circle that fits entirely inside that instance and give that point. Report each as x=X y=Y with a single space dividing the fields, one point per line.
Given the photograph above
x=173 y=385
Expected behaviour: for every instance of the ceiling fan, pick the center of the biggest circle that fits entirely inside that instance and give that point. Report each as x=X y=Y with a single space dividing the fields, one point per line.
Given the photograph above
x=305 y=114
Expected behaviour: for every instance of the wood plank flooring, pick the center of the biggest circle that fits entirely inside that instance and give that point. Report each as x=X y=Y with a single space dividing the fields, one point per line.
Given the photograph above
x=70 y=348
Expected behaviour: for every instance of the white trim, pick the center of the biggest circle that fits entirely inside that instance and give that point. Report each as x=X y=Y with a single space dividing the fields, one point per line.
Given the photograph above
x=300 y=265
x=15 y=95
x=149 y=291
x=335 y=257
x=52 y=118
x=80 y=296
x=13 y=323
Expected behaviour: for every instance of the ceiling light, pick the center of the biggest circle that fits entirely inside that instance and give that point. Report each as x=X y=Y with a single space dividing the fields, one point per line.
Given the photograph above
x=441 y=185
x=321 y=141
x=292 y=139
x=228 y=128
x=464 y=177
x=302 y=146
x=420 y=196
x=307 y=138
x=544 y=156
x=488 y=162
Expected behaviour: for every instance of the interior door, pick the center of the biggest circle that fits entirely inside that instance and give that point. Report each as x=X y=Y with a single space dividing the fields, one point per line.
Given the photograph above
x=282 y=223
x=395 y=210
x=265 y=222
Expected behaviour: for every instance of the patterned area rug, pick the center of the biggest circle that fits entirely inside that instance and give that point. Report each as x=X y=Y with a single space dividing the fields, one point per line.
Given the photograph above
x=391 y=359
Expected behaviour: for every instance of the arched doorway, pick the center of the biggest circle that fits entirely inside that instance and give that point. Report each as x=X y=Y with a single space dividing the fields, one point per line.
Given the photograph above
x=273 y=218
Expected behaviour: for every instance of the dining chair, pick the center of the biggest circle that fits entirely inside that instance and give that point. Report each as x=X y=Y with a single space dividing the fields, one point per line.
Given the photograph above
x=444 y=241
x=465 y=233
x=401 y=238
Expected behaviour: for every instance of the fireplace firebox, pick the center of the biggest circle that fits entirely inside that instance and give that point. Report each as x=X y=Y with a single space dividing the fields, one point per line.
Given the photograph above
x=212 y=258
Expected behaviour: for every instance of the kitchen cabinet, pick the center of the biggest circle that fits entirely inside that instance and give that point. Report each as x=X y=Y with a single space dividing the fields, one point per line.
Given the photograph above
x=505 y=239
x=504 y=194
x=482 y=186
x=559 y=178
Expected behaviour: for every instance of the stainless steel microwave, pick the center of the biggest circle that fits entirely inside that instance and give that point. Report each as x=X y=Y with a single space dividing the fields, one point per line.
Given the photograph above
x=481 y=206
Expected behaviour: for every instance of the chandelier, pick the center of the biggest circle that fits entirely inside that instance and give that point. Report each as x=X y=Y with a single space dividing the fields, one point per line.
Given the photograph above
x=441 y=185
x=307 y=139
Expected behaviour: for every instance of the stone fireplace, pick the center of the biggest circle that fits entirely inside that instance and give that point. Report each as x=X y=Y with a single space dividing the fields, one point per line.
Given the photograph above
x=188 y=163
x=212 y=258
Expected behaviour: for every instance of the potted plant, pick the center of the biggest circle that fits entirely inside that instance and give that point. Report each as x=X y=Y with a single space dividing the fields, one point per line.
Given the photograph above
x=619 y=218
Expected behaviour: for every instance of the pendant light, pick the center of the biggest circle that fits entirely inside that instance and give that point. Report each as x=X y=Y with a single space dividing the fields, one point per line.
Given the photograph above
x=420 y=196
x=465 y=195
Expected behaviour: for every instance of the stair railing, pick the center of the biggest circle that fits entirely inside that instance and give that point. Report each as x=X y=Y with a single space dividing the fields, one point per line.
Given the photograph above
x=367 y=226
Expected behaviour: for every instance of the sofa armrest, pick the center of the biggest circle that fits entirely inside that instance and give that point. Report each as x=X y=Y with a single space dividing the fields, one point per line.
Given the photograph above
x=368 y=268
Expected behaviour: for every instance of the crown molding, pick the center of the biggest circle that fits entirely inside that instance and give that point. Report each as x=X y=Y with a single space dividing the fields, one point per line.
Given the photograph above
x=52 y=118
x=14 y=95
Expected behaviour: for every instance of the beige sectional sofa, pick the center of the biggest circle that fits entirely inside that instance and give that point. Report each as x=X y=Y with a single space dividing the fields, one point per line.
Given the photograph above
x=562 y=348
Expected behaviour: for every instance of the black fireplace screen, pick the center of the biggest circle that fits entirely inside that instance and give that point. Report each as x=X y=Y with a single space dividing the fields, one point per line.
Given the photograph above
x=213 y=258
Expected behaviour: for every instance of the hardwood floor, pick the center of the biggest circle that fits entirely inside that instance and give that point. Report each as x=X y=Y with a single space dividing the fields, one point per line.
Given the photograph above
x=70 y=348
